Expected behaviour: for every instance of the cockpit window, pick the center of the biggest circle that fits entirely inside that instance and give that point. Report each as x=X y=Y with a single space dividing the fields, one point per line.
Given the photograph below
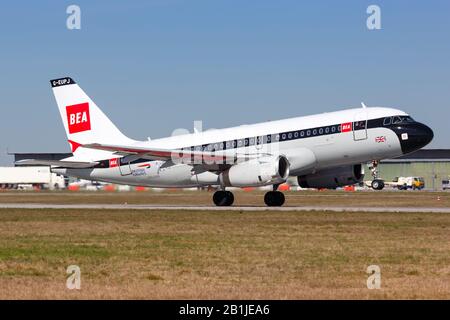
x=402 y=119
x=387 y=121
x=397 y=120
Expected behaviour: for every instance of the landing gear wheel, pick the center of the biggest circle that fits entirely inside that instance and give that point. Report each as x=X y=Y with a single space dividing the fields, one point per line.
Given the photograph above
x=274 y=199
x=223 y=198
x=377 y=184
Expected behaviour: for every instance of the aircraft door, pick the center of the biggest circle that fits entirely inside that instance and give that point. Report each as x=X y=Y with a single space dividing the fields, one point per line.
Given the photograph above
x=125 y=167
x=360 y=126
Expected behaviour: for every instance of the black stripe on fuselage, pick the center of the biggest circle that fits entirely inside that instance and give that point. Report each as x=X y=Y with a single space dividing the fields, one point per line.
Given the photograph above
x=384 y=122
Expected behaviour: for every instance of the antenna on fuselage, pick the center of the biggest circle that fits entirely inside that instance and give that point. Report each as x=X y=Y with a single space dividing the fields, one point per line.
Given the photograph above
x=363 y=105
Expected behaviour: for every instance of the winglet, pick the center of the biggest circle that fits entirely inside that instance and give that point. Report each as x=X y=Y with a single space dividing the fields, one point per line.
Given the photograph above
x=363 y=105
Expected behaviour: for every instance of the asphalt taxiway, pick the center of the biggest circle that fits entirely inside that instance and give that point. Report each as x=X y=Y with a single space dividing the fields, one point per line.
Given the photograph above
x=214 y=208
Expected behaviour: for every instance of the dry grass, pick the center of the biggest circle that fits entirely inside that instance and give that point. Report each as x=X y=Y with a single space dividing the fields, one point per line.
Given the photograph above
x=300 y=198
x=222 y=255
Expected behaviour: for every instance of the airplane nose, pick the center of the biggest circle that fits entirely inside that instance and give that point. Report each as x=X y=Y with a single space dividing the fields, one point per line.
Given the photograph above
x=414 y=136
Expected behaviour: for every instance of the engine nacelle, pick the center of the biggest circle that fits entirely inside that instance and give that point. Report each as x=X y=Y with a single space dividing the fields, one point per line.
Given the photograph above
x=256 y=172
x=333 y=178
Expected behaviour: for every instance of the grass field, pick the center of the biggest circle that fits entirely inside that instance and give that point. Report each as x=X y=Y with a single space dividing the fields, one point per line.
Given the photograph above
x=221 y=255
x=293 y=198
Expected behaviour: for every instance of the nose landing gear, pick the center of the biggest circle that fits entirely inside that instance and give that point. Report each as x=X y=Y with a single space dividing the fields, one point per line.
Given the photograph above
x=377 y=184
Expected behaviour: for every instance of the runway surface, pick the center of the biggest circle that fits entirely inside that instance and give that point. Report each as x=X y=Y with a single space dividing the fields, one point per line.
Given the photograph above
x=214 y=208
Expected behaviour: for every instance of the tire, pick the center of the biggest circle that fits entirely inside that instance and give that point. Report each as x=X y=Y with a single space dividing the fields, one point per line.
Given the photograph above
x=223 y=198
x=377 y=184
x=230 y=198
x=274 y=199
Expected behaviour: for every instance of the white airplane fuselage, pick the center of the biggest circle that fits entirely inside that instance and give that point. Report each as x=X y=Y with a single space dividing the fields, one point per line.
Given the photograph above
x=311 y=144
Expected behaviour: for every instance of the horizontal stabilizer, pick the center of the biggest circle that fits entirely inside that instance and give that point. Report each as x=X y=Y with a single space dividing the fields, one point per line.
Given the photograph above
x=58 y=163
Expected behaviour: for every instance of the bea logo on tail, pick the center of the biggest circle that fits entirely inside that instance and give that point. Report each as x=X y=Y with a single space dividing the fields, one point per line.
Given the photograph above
x=78 y=118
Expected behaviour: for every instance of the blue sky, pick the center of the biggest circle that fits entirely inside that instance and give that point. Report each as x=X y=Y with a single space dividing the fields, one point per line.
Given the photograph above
x=154 y=66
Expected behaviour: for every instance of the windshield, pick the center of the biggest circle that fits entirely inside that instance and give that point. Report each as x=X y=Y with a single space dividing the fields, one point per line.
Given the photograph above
x=397 y=120
x=402 y=119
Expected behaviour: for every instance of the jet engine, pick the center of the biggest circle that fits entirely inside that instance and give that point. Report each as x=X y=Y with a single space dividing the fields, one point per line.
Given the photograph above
x=333 y=177
x=262 y=171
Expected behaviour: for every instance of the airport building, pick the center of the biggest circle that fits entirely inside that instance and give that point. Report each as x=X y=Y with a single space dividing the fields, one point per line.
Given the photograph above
x=431 y=164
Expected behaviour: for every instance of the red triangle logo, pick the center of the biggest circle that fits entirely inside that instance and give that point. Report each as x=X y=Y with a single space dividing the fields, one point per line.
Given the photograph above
x=74 y=145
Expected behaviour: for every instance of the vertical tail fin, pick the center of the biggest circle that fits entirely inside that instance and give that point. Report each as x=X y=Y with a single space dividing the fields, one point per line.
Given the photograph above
x=83 y=120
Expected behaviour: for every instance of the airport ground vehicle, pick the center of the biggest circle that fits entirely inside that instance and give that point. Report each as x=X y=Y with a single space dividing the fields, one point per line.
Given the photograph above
x=404 y=183
x=446 y=184
x=36 y=176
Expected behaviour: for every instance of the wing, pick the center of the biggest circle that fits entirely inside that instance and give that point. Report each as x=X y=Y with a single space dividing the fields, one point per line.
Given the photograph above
x=187 y=156
x=59 y=163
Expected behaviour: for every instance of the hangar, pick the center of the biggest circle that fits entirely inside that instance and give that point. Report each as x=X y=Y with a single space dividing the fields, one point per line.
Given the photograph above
x=431 y=164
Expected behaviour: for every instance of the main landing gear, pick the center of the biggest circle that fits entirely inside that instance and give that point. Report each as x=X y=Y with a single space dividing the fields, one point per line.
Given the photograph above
x=377 y=184
x=274 y=199
x=222 y=198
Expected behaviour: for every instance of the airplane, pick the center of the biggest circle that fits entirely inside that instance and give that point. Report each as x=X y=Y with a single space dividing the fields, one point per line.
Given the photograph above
x=323 y=151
